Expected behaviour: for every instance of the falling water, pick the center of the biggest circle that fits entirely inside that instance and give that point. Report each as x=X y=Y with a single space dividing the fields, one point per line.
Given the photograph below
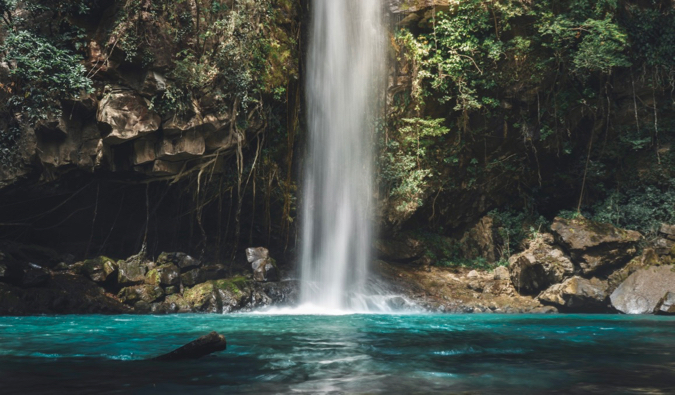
x=345 y=70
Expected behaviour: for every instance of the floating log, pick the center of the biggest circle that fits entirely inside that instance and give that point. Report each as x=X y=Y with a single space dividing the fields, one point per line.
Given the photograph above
x=205 y=345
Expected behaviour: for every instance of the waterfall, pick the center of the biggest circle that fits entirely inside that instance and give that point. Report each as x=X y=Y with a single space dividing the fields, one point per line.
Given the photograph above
x=346 y=66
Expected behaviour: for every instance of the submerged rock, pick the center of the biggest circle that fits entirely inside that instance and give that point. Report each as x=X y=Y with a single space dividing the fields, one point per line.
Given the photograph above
x=643 y=290
x=577 y=294
x=593 y=245
x=538 y=267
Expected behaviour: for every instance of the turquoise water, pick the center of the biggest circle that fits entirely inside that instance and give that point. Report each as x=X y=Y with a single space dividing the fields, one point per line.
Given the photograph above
x=369 y=354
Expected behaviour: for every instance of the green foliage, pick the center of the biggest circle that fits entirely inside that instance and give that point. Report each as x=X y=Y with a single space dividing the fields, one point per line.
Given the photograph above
x=42 y=75
x=642 y=209
x=407 y=165
x=514 y=227
x=602 y=47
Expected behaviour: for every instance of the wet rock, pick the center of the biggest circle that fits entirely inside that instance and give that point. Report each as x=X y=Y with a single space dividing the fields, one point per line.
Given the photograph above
x=577 y=295
x=283 y=292
x=164 y=275
x=177 y=304
x=205 y=345
x=192 y=277
x=667 y=304
x=132 y=270
x=180 y=259
x=643 y=290
x=202 y=297
x=172 y=289
x=99 y=269
x=538 y=267
x=63 y=294
x=124 y=115
x=140 y=293
x=264 y=267
x=595 y=245
x=544 y=310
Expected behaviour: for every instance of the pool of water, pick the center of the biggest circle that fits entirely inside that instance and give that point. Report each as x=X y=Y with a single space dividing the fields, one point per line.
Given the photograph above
x=362 y=354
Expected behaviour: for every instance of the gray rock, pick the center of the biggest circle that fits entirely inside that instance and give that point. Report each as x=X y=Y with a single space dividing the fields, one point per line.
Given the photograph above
x=124 y=115
x=132 y=270
x=180 y=259
x=99 y=269
x=643 y=290
x=577 y=294
x=667 y=304
x=538 y=267
x=140 y=293
x=192 y=277
x=264 y=267
x=595 y=245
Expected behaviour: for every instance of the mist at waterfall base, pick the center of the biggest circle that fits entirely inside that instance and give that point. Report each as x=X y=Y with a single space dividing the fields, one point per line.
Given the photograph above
x=384 y=354
x=345 y=73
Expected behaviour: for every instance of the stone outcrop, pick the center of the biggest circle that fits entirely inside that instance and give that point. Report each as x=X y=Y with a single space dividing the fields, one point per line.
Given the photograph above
x=100 y=269
x=667 y=304
x=539 y=266
x=479 y=241
x=264 y=267
x=595 y=246
x=643 y=290
x=132 y=270
x=124 y=115
x=648 y=258
x=577 y=295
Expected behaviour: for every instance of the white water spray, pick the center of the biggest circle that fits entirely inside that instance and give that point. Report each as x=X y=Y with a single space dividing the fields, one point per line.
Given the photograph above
x=346 y=65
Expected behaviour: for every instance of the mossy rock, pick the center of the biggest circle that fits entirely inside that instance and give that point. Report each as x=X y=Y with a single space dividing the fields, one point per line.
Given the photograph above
x=99 y=269
x=177 y=303
x=141 y=293
x=202 y=297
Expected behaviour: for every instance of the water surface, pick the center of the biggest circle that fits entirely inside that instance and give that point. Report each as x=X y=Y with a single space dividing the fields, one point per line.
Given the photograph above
x=364 y=354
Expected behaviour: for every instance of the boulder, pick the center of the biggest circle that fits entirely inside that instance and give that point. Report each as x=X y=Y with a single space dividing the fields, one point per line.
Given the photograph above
x=34 y=276
x=595 y=245
x=643 y=290
x=479 y=241
x=192 y=277
x=501 y=273
x=667 y=304
x=577 y=295
x=99 y=269
x=123 y=115
x=177 y=304
x=132 y=270
x=169 y=274
x=153 y=83
x=648 y=258
x=140 y=293
x=402 y=249
x=264 y=267
x=180 y=259
x=203 y=297
x=538 y=267
x=668 y=231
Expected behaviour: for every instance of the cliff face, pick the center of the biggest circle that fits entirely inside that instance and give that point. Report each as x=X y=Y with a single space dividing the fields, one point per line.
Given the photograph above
x=119 y=114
